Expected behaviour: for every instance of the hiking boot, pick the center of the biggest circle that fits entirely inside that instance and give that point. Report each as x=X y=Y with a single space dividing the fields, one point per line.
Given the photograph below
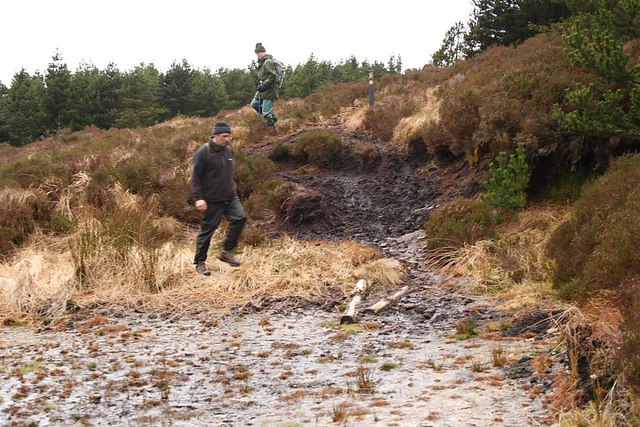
x=201 y=268
x=229 y=258
x=271 y=122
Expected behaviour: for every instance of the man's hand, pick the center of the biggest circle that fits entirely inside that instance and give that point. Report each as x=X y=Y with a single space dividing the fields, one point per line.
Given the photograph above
x=201 y=205
x=263 y=86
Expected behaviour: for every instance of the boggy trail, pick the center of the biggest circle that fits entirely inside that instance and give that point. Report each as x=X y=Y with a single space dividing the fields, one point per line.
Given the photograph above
x=288 y=362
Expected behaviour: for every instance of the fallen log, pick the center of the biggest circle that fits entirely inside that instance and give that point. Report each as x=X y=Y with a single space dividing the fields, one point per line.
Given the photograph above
x=383 y=303
x=351 y=312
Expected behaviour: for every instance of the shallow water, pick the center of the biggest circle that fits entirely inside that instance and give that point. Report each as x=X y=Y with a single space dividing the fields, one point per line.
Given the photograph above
x=276 y=369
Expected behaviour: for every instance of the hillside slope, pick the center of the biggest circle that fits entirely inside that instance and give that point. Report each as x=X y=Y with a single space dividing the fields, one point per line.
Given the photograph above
x=285 y=359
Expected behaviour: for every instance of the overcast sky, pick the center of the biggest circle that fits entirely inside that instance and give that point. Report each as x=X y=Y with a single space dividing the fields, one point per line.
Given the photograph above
x=214 y=34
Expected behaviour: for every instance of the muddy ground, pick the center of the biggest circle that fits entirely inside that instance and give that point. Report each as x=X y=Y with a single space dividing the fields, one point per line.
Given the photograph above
x=289 y=362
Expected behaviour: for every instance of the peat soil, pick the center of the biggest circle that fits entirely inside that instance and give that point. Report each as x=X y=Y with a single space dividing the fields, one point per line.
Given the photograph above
x=289 y=362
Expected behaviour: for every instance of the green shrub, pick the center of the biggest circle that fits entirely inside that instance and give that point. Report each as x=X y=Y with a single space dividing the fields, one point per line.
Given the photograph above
x=566 y=186
x=508 y=180
x=6 y=176
x=505 y=95
x=61 y=223
x=629 y=358
x=135 y=174
x=268 y=198
x=322 y=147
x=297 y=152
x=279 y=152
x=278 y=191
x=461 y=221
x=598 y=249
x=251 y=171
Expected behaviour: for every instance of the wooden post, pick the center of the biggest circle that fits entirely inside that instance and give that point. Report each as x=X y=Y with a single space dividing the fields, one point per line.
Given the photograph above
x=350 y=313
x=380 y=305
x=371 y=90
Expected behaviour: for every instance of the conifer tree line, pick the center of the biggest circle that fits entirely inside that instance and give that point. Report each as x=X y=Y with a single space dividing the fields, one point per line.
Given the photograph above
x=42 y=104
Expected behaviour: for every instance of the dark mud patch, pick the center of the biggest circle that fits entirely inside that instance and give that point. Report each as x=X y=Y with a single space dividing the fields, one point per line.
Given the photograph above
x=536 y=323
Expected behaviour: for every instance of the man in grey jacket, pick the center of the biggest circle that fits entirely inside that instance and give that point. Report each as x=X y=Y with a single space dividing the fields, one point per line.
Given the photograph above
x=216 y=195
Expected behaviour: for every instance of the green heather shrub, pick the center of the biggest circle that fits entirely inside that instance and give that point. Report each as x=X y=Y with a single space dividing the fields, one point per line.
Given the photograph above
x=320 y=147
x=253 y=235
x=629 y=357
x=135 y=174
x=279 y=152
x=300 y=111
x=251 y=171
x=6 y=178
x=509 y=177
x=461 y=221
x=566 y=186
x=61 y=223
x=8 y=239
x=323 y=147
x=268 y=197
x=277 y=191
x=30 y=171
x=598 y=248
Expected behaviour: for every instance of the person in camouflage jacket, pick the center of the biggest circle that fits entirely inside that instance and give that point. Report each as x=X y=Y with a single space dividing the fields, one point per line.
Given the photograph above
x=267 y=89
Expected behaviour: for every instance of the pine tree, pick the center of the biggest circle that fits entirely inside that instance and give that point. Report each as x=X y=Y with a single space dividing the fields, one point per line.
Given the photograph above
x=452 y=47
x=24 y=105
x=509 y=22
x=57 y=81
x=4 y=113
x=141 y=98
x=509 y=177
x=595 y=40
x=83 y=100
x=238 y=85
x=178 y=85
x=208 y=94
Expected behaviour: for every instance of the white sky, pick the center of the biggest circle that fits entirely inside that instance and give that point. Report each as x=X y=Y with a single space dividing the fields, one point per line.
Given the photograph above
x=213 y=34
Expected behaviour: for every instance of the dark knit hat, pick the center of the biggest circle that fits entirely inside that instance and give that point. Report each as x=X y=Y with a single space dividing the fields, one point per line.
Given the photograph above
x=260 y=48
x=220 y=127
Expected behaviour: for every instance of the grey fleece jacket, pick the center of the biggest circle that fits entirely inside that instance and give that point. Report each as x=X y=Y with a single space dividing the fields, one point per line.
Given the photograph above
x=212 y=177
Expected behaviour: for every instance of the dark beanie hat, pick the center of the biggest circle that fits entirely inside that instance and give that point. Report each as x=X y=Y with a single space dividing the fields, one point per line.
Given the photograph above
x=220 y=127
x=260 y=48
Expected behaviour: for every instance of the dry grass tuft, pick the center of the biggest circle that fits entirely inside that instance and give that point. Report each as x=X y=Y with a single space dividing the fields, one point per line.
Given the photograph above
x=514 y=264
x=43 y=277
x=593 y=335
x=385 y=272
x=410 y=128
x=354 y=118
